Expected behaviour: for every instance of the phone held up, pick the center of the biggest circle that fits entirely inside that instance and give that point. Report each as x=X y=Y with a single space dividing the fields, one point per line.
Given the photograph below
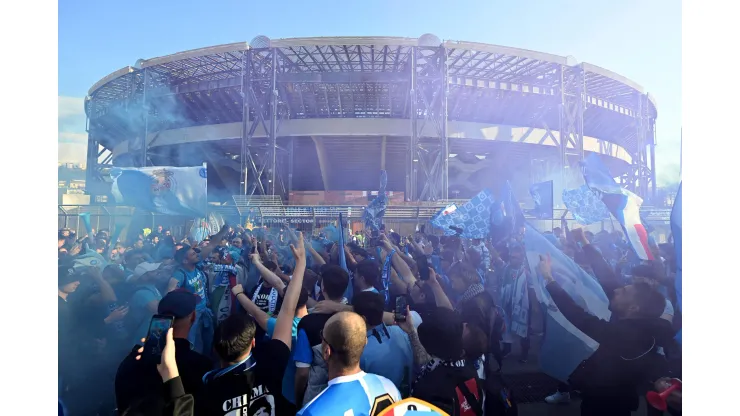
x=423 y=264
x=399 y=310
x=156 y=338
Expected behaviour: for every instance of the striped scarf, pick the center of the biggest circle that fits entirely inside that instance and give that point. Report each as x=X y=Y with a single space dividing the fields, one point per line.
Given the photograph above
x=224 y=281
x=385 y=278
x=273 y=298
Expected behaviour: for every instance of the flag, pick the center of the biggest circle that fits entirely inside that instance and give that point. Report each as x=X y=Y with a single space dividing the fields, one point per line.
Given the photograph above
x=506 y=215
x=373 y=214
x=163 y=189
x=473 y=217
x=343 y=258
x=542 y=195
x=623 y=204
x=586 y=207
x=443 y=219
x=562 y=336
x=677 y=230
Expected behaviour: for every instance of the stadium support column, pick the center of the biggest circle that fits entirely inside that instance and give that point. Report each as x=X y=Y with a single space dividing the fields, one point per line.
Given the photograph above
x=572 y=107
x=413 y=139
x=430 y=84
x=145 y=109
x=290 y=167
x=261 y=99
x=245 y=157
x=272 y=168
x=639 y=180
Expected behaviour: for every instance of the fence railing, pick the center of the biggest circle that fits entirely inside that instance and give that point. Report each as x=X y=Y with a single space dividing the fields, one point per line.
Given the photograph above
x=401 y=218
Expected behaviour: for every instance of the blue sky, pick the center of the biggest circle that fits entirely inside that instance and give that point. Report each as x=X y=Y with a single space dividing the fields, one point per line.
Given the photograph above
x=639 y=39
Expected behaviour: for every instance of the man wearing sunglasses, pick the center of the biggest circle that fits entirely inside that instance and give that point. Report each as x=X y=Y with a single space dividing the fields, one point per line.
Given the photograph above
x=350 y=390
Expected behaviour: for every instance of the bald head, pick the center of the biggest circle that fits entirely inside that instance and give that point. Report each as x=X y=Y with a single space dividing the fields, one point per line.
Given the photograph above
x=346 y=335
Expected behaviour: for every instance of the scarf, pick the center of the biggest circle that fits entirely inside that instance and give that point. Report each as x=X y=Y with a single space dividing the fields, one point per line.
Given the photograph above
x=240 y=367
x=223 y=282
x=433 y=364
x=471 y=292
x=273 y=298
x=385 y=278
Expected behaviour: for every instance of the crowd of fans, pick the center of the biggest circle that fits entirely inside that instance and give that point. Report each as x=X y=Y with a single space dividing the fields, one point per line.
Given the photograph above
x=267 y=322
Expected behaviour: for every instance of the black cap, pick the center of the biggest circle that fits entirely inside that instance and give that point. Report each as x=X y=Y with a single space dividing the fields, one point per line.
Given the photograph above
x=67 y=274
x=179 y=303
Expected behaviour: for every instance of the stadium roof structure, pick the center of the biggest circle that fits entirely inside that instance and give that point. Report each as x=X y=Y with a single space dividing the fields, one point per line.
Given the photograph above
x=426 y=82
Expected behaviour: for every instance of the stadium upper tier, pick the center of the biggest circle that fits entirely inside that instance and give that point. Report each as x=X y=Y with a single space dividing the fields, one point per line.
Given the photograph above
x=324 y=86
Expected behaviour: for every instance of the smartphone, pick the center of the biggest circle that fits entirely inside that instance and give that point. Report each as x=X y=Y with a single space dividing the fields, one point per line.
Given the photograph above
x=156 y=338
x=399 y=311
x=422 y=262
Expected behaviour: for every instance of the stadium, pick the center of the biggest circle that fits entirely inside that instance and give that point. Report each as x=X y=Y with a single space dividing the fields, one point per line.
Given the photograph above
x=312 y=121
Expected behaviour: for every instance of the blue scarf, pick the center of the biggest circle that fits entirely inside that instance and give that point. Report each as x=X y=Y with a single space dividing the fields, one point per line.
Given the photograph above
x=385 y=278
x=238 y=368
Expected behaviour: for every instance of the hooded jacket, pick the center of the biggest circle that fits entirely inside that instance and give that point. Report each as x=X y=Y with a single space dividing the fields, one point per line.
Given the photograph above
x=626 y=359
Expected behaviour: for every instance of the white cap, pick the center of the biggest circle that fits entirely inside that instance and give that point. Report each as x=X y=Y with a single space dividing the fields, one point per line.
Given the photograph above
x=143 y=268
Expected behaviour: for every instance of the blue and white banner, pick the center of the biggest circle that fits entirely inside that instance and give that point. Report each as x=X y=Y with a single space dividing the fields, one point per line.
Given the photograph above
x=586 y=207
x=623 y=204
x=375 y=210
x=560 y=334
x=163 y=189
x=343 y=257
x=542 y=195
x=473 y=217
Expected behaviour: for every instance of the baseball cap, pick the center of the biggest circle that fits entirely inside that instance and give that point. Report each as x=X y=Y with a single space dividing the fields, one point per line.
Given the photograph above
x=179 y=303
x=144 y=268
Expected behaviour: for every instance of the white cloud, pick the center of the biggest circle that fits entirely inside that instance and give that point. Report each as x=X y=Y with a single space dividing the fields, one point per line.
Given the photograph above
x=72 y=137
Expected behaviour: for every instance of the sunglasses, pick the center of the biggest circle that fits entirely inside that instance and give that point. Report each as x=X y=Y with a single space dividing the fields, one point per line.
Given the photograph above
x=333 y=350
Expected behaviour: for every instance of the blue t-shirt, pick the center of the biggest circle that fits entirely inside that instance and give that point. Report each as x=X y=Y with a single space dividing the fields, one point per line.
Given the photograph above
x=358 y=394
x=194 y=281
x=138 y=310
x=388 y=353
x=302 y=352
x=289 y=375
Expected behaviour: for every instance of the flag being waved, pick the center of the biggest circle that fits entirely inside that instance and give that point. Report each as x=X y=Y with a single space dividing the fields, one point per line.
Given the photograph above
x=543 y=204
x=163 y=189
x=623 y=204
x=561 y=335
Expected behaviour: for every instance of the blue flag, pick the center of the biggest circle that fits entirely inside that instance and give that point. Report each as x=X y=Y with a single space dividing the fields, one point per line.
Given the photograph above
x=586 y=207
x=473 y=217
x=676 y=230
x=543 y=200
x=622 y=204
x=564 y=346
x=163 y=189
x=375 y=210
x=343 y=258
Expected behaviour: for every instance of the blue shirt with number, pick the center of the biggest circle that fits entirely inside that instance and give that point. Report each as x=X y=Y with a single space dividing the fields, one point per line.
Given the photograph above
x=357 y=394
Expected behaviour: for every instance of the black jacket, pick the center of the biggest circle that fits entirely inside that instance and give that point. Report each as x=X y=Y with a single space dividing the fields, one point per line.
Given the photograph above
x=626 y=359
x=137 y=380
x=252 y=387
x=442 y=388
x=172 y=402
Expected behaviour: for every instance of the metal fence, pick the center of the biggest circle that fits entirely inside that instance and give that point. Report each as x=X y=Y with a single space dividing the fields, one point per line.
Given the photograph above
x=403 y=219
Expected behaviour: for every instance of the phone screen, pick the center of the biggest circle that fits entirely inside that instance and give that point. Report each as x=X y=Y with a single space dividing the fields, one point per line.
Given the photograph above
x=399 y=311
x=156 y=338
x=423 y=264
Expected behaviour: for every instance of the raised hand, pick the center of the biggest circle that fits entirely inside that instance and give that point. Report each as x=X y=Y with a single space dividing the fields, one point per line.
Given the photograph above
x=545 y=267
x=299 y=249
